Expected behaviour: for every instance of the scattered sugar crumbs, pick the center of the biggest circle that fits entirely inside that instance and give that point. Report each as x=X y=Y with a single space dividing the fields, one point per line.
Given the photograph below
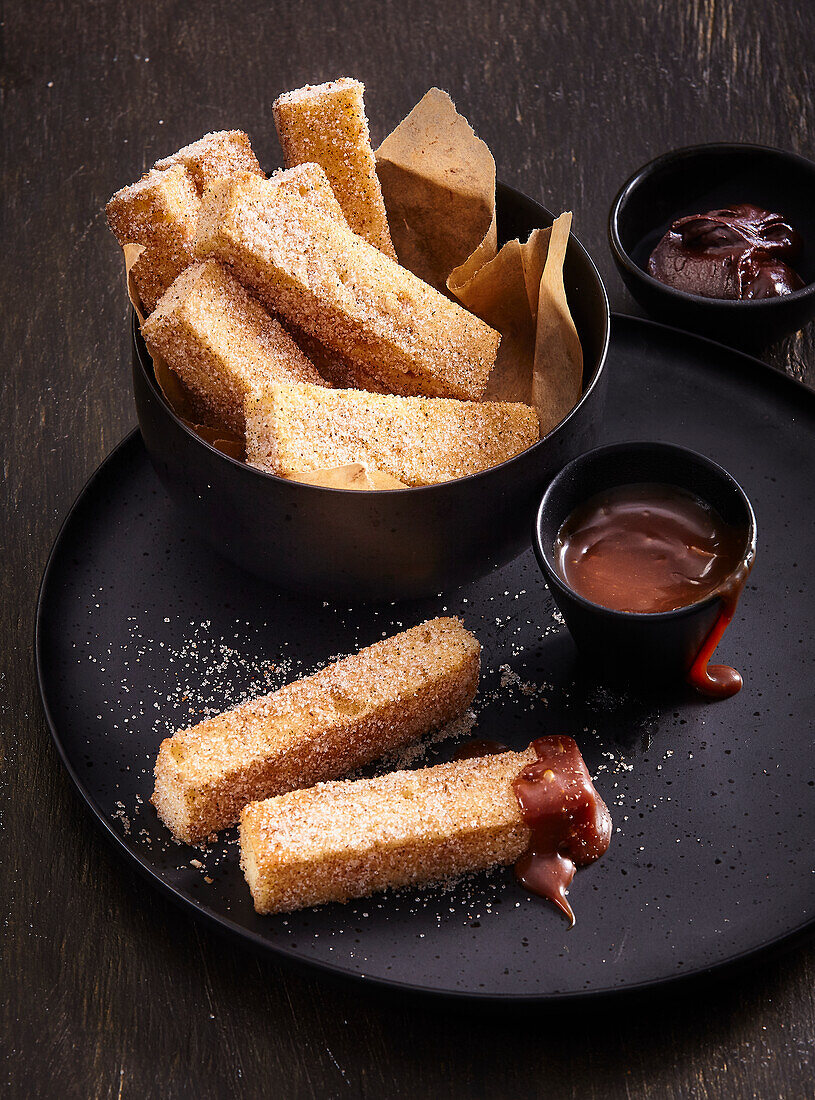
x=412 y=755
x=200 y=677
x=210 y=674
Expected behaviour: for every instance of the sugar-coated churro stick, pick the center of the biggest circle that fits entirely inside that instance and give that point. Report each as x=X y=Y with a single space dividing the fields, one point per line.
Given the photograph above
x=154 y=271
x=162 y=207
x=351 y=838
x=160 y=263
x=160 y=212
x=159 y=209
x=328 y=281
x=222 y=153
x=221 y=342
x=419 y=440
x=310 y=183
x=346 y=715
x=326 y=123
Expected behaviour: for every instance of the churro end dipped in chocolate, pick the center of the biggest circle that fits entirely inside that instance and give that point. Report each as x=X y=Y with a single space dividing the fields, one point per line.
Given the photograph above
x=341 y=840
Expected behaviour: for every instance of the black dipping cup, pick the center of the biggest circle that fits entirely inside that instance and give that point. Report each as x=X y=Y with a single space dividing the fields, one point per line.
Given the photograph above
x=625 y=645
x=707 y=177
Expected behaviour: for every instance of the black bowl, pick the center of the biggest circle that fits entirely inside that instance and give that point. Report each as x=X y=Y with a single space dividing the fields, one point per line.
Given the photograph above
x=384 y=545
x=708 y=177
x=622 y=644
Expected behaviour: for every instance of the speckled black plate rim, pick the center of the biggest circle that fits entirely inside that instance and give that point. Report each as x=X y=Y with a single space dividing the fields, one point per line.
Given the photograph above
x=232 y=929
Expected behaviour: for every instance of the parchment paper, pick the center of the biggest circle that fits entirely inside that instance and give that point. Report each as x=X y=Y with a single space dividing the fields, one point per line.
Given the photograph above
x=356 y=475
x=438 y=182
x=521 y=293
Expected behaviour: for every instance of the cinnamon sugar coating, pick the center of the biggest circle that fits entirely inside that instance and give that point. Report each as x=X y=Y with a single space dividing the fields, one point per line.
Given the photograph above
x=310 y=183
x=160 y=209
x=221 y=342
x=326 y=124
x=348 y=839
x=419 y=440
x=221 y=153
x=378 y=317
x=318 y=728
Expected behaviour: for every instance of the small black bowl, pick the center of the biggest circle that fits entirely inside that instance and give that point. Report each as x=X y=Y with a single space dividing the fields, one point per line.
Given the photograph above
x=707 y=177
x=387 y=545
x=624 y=644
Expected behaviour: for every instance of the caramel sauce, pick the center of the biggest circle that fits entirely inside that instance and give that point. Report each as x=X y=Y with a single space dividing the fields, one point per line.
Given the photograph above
x=569 y=822
x=650 y=548
x=646 y=548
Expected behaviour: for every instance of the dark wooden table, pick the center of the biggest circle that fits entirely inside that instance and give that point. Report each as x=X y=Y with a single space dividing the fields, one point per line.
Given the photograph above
x=106 y=989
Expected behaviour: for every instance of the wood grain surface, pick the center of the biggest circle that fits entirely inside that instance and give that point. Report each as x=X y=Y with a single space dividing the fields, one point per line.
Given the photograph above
x=105 y=989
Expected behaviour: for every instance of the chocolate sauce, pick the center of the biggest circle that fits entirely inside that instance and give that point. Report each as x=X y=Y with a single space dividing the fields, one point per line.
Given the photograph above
x=650 y=548
x=741 y=252
x=471 y=749
x=569 y=821
x=720 y=681
x=647 y=548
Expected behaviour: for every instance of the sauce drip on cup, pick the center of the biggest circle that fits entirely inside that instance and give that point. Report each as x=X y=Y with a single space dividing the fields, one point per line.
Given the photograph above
x=648 y=548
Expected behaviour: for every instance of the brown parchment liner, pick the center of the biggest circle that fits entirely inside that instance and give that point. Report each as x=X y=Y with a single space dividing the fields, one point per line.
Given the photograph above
x=356 y=475
x=438 y=183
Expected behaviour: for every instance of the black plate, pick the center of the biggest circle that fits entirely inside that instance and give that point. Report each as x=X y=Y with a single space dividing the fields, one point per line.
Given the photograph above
x=141 y=628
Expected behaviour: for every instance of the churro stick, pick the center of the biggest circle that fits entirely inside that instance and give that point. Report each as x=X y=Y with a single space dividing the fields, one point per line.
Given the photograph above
x=349 y=839
x=350 y=713
x=221 y=342
x=162 y=262
x=326 y=124
x=307 y=182
x=160 y=212
x=419 y=440
x=222 y=153
x=155 y=270
x=160 y=209
x=362 y=305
